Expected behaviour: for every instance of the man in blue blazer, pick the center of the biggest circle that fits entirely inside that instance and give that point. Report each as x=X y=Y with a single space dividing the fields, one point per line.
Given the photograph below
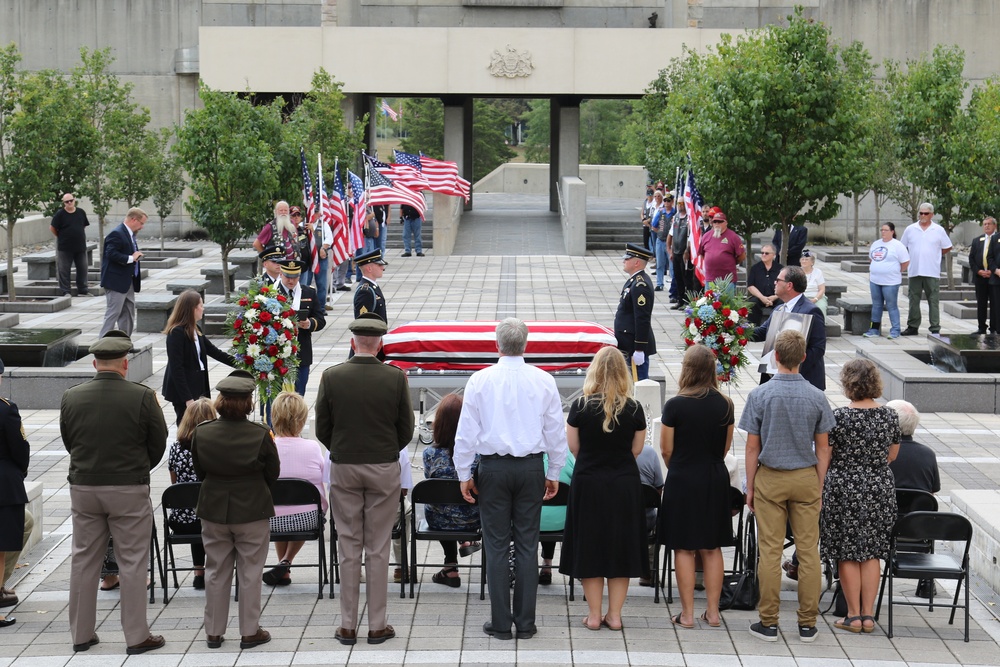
x=121 y=275
x=788 y=287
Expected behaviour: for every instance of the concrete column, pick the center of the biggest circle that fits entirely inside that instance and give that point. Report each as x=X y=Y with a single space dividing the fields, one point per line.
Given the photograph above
x=649 y=394
x=554 y=108
x=458 y=139
x=371 y=137
x=569 y=138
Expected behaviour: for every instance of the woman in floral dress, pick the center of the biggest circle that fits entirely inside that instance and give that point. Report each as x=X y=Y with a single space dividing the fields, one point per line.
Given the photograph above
x=859 y=494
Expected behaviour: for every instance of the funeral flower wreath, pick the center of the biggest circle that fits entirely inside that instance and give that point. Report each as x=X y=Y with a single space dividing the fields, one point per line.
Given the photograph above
x=717 y=319
x=265 y=341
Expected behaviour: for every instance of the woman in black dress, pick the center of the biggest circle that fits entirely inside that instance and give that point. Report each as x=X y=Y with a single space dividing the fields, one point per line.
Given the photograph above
x=605 y=535
x=859 y=492
x=695 y=519
x=14 y=454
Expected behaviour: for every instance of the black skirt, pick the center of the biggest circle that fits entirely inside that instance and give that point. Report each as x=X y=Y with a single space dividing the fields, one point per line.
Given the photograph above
x=11 y=528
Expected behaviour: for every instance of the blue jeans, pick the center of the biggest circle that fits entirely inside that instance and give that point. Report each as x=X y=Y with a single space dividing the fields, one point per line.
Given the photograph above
x=662 y=261
x=888 y=294
x=382 y=235
x=321 y=277
x=412 y=227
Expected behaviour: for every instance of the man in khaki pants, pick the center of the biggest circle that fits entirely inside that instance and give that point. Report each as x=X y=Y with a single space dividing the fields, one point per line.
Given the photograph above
x=783 y=418
x=115 y=433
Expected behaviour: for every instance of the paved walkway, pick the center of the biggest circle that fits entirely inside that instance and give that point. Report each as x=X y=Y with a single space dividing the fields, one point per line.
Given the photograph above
x=443 y=626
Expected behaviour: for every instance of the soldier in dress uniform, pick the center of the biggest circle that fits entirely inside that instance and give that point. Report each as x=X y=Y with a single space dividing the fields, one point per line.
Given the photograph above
x=368 y=297
x=270 y=269
x=635 y=311
x=115 y=433
x=311 y=315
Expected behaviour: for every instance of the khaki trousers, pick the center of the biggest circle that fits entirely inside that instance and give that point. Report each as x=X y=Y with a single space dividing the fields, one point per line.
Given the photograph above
x=242 y=544
x=790 y=496
x=364 y=498
x=126 y=513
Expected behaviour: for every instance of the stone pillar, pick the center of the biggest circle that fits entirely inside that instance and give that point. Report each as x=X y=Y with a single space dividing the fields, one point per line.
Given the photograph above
x=458 y=139
x=554 y=108
x=564 y=142
x=649 y=394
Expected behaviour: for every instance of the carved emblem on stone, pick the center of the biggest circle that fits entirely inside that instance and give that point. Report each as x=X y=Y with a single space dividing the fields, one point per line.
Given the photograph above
x=510 y=63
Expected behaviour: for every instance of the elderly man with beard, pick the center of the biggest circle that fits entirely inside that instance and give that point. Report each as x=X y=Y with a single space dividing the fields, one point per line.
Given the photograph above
x=723 y=250
x=280 y=231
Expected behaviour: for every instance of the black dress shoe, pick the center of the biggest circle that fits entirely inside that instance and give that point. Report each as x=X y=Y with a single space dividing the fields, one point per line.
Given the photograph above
x=545 y=578
x=910 y=331
x=496 y=634
x=406 y=254
x=658 y=288
x=527 y=633
x=94 y=641
x=7 y=622
x=152 y=643
x=678 y=306
x=346 y=637
x=214 y=641
x=420 y=254
x=199 y=582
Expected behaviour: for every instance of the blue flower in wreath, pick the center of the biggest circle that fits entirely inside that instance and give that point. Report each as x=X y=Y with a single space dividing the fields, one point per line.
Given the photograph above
x=273 y=306
x=271 y=337
x=263 y=364
x=706 y=312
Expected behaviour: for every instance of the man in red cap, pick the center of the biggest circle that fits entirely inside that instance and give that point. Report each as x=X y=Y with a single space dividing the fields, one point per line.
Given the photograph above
x=722 y=249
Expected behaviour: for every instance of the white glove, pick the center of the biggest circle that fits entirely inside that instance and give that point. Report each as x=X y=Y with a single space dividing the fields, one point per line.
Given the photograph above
x=638 y=358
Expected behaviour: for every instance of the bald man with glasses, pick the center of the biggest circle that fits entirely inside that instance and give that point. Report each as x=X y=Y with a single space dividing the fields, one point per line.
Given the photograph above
x=69 y=226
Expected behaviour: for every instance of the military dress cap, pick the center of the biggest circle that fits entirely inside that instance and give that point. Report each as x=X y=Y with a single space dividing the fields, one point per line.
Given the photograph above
x=271 y=252
x=291 y=267
x=375 y=256
x=368 y=324
x=114 y=345
x=637 y=251
x=237 y=382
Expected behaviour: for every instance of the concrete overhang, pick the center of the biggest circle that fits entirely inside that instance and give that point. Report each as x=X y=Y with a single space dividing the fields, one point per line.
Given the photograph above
x=427 y=62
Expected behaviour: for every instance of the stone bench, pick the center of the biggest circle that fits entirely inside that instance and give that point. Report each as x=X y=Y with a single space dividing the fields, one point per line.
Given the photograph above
x=852 y=266
x=159 y=262
x=153 y=311
x=180 y=253
x=247 y=263
x=833 y=293
x=4 y=286
x=838 y=255
x=178 y=286
x=214 y=276
x=42 y=265
x=963 y=310
x=857 y=314
x=833 y=330
x=963 y=262
x=216 y=314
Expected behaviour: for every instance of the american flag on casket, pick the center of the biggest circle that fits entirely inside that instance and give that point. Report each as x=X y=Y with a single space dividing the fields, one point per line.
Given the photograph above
x=471 y=346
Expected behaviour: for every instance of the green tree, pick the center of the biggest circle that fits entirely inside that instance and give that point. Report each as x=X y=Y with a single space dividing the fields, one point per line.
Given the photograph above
x=770 y=123
x=318 y=125
x=168 y=180
x=107 y=109
x=976 y=175
x=425 y=123
x=602 y=126
x=926 y=104
x=233 y=170
x=133 y=158
x=75 y=138
x=27 y=147
x=537 y=139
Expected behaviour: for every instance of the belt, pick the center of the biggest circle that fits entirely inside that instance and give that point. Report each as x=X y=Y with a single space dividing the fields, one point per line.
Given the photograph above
x=510 y=456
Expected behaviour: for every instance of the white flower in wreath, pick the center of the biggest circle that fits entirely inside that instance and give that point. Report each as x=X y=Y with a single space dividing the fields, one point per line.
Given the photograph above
x=287 y=324
x=693 y=329
x=286 y=350
x=253 y=350
x=250 y=315
x=261 y=297
x=701 y=302
x=734 y=316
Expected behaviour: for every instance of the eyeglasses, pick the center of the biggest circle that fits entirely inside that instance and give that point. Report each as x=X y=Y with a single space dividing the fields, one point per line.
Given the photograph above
x=926 y=213
x=296 y=215
x=780 y=280
x=764 y=254
x=68 y=201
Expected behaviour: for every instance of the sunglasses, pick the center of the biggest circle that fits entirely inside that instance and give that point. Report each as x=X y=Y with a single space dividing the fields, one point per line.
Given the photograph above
x=69 y=201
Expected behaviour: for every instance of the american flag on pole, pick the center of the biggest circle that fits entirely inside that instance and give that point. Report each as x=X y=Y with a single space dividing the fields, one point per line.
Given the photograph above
x=338 y=218
x=357 y=236
x=387 y=110
x=693 y=202
x=319 y=219
x=307 y=190
x=383 y=191
x=441 y=176
x=400 y=174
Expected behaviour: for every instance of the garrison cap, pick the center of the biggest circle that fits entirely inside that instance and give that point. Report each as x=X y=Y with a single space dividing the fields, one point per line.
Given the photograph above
x=637 y=251
x=114 y=345
x=368 y=324
x=370 y=257
x=237 y=382
x=271 y=252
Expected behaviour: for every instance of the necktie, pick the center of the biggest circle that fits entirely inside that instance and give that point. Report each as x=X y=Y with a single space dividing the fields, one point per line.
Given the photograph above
x=135 y=248
x=986 y=249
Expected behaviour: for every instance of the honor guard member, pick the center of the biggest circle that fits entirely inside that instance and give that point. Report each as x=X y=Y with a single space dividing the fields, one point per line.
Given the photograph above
x=635 y=311
x=115 y=433
x=368 y=297
x=270 y=269
x=311 y=315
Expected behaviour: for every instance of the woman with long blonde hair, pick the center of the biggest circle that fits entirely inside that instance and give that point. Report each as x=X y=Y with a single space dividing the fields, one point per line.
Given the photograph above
x=695 y=518
x=605 y=535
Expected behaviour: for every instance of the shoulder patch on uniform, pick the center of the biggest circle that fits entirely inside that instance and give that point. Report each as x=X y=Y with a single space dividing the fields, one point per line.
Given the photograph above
x=641 y=300
x=363 y=310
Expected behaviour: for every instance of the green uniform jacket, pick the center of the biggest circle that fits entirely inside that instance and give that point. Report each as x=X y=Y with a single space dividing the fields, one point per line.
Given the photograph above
x=113 y=430
x=238 y=462
x=363 y=411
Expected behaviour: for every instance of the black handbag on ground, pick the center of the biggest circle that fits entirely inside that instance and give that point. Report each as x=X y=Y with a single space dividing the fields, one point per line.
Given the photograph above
x=740 y=591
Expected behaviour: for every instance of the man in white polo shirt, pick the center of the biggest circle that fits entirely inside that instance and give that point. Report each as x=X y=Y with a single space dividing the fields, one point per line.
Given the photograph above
x=926 y=242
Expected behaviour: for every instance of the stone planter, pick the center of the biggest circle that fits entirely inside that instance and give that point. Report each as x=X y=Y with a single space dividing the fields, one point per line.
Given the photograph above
x=35 y=305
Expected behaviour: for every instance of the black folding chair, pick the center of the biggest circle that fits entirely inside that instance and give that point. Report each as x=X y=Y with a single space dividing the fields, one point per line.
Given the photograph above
x=183 y=495
x=290 y=491
x=441 y=492
x=651 y=500
x=928 y=526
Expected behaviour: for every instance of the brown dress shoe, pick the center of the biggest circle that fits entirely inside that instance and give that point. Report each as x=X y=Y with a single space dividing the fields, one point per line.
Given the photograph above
x=346 y=637
x=94 y=641
x=152 y=643
x=262 y=636
x=8 y=598
x=215 y=641
x=379 y=636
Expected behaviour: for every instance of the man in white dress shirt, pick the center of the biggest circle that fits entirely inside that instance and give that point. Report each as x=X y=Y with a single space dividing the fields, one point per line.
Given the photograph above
x=512 y=415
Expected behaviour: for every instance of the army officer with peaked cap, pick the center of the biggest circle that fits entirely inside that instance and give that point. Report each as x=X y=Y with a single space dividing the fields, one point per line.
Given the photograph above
x=115 y=433
x=633 y=321
x=311 y=315
x=238 y=462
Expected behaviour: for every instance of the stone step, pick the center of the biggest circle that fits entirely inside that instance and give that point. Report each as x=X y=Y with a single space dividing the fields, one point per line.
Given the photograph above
x=963 y=310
